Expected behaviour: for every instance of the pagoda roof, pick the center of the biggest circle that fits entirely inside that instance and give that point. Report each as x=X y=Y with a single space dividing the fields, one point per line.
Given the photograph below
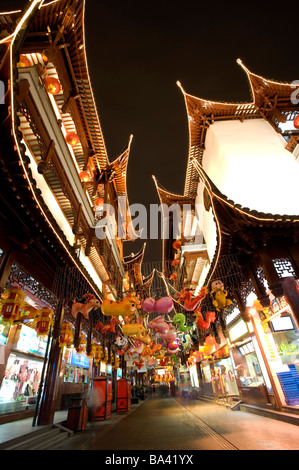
x=270 y=99
x=169 y=198
x=134 y=258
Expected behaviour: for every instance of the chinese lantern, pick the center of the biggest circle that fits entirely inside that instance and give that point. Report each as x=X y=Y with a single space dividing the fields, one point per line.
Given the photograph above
x=296 y=122
x=175 y=262
x=42 y=321
x=66 y=335
x=12 y=304
x=97 y=352
x=177 y=244
x=85 y=176
x=52 y=85
x=99 y=201
x=24 y=61
x=72 y=138
x=82 y=345
x=173 y=276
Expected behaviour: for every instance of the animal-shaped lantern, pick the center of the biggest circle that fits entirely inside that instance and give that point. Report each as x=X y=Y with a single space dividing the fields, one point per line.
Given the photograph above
x=219 y=295
x=179 y=319
x=190 y=304
x=133 y=329
x=110 y=328
x=162 y=305
x=126 y=307
x=85 y=308
x=200 y=322
x=159 y=325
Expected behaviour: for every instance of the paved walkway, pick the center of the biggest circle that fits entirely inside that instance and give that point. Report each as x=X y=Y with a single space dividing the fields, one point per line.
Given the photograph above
x=173 y=424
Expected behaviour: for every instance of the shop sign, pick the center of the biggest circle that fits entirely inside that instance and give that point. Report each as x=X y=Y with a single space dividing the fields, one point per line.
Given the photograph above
x=79 y=360
x=289 y=348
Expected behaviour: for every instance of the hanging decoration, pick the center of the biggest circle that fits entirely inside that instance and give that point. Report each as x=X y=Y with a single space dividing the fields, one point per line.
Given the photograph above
x=175 y=262
x=133 y=329
x=12 y=304
x=85 y=176
x=110 y=328
x=126 y=307
x=24 y=61
x=82 y=346
x=173 y=276
x=66 y=334
x=179 y=319
x=200 y=322
x=190 y=304
x=99 y=201
x=85 y=308
x=42 y=321
x=177 y=244
x=296 y=122
x=219 y=295
x=163 y=305
x=159 y=325
x=72 y=138
x=52 y=85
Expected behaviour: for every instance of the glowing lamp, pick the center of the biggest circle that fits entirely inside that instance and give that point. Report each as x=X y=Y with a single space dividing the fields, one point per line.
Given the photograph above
x=173 y=276
x=42 y=321
x=175 y=262
x=52 y=85
x=99 y=201
x=296 y=122
x=24 y=61
x=177 y=244
x=72 y=138
x=66 y=335
x=85 y=177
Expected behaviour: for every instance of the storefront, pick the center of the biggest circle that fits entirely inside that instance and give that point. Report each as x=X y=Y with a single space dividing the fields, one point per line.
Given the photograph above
x=248 y=365
x=278 y=334
x=20 y=384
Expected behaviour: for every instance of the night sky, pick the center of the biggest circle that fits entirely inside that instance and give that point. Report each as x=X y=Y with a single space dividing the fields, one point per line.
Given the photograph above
x=137 y=50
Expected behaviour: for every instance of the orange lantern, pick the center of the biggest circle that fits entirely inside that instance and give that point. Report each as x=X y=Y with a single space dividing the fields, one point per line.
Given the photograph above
x=82 y=346
x=42 y=321
x=99 y=201
x=85 y=176
x=24 y=61
x=12 y=304
x=72 y=138
x=174 y=276
x=296 y=122
x=52 y=85
x=177 y=244
x=66 y=335
x=175 y=262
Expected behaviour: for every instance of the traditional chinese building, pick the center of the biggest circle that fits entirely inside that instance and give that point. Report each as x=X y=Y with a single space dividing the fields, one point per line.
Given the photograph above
x=242 y=172
x=56 y=178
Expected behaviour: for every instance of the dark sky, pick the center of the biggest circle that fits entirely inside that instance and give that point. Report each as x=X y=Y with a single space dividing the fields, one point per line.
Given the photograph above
x=137 y=50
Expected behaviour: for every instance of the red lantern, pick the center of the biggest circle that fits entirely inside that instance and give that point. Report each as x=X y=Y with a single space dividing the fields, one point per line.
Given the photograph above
x=42 y=321
x=72 y=138
x=177 y=244
x=175 y=262
x=12 y=305
x=99 y=201
x=24 y=61
x=66 y=335
x=174 y=276
x=296 y=122
x=85 y=176
x=52 y=85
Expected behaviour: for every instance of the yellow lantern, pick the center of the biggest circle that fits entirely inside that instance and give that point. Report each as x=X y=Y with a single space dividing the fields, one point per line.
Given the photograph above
x=42 y=321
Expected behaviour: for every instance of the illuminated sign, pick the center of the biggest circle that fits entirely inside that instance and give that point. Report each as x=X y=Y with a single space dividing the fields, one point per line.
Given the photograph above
x=79 y=360
x=240 y=329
